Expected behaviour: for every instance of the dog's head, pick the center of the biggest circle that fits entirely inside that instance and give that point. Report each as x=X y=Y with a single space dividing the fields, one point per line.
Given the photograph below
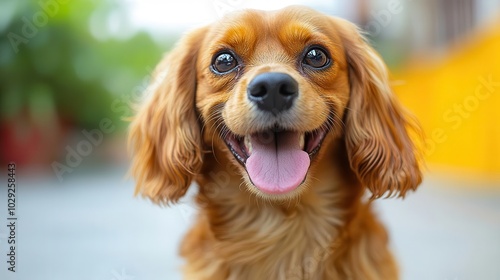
x=272 y=89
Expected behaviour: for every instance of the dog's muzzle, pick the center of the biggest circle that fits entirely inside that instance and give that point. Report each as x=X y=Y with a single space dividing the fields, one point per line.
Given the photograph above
x=273 y=92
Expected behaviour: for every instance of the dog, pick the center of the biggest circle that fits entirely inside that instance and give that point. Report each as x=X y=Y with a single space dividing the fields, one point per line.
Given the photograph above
x=287 y=123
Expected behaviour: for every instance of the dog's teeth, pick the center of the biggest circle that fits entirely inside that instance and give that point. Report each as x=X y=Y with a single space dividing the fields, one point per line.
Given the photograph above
x=248 y=144
x=301 y=141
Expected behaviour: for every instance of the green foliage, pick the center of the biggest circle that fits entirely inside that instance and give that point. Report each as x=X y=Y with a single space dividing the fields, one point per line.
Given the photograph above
x=54 y=65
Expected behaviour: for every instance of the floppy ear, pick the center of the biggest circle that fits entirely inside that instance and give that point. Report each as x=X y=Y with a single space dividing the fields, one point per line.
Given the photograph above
x=165 y=134
x=379 y=147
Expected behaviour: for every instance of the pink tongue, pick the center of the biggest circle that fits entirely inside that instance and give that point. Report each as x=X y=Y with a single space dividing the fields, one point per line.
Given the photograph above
x=277 y=164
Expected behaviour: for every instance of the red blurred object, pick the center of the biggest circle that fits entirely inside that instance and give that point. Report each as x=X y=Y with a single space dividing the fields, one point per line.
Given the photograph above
x=28 y=143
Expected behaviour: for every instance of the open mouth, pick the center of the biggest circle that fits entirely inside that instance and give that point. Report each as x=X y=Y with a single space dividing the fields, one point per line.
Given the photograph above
x=277 y=161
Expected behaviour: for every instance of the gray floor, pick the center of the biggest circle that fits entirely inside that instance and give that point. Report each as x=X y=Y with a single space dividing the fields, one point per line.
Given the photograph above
x=90 y=227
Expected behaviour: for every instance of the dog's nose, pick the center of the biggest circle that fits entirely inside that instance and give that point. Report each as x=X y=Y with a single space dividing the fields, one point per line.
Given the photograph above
x=273 y=92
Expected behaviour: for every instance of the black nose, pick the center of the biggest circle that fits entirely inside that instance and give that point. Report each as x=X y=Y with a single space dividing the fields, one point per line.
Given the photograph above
x=273 y=92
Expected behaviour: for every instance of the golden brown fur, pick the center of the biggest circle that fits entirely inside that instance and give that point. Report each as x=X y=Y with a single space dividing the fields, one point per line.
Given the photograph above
x=322 y=230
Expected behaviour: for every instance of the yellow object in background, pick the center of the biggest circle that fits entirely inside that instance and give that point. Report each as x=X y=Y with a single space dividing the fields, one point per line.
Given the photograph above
x=457 y=101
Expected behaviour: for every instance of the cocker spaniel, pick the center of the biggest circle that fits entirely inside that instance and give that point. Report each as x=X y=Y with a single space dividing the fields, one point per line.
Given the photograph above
x=284 y=119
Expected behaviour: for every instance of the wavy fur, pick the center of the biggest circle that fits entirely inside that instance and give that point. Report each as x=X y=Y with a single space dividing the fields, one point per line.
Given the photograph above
x=325 y=229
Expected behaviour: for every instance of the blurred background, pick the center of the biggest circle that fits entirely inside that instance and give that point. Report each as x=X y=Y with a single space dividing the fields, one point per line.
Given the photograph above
x=70 y=69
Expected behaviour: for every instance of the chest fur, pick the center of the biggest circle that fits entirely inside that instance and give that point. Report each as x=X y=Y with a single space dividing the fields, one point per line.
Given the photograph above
x=277 y=241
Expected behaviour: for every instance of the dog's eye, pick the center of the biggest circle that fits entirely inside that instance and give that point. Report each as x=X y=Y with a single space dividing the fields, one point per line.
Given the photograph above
x=316 y=58
x=224 y=62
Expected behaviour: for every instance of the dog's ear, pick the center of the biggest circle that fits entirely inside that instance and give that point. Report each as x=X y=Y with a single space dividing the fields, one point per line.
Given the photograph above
x=377 y=138
x=165 y=137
